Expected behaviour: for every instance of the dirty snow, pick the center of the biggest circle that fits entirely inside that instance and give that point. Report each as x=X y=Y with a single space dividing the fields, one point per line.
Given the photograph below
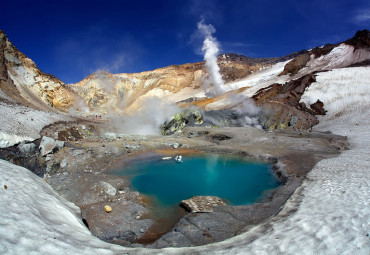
x=19 y=123
x=341 y=56
x=338 y=89
x=260 y=79
x=328 y=214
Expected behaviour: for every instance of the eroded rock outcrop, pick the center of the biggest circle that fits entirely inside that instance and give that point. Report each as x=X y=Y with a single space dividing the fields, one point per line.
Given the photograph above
x=180 y=121
x=202 y=203
x=281 y=105
x=25 y=83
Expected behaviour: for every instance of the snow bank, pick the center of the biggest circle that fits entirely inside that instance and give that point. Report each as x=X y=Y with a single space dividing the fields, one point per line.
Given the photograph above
x=341 y=56
x=35 y=220
x=20 y=123
x=262 y=78
x=7 y=140
x=341 y=90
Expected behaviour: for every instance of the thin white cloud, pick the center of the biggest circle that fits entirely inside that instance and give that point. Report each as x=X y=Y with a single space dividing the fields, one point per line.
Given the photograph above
x=92 y=51
x=239 y=48
x=362 y=16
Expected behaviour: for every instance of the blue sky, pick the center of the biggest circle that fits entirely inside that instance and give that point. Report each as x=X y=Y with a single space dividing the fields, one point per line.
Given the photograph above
x=72 y=39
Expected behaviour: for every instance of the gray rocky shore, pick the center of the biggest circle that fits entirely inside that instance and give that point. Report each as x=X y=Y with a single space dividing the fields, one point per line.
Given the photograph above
x=80 y=172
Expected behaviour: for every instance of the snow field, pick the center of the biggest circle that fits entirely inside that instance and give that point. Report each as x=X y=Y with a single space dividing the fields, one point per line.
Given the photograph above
x=260 y=79
x=20 y=123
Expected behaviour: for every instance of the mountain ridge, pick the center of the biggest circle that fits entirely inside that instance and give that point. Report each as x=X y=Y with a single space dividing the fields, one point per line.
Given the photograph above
x=124 y=93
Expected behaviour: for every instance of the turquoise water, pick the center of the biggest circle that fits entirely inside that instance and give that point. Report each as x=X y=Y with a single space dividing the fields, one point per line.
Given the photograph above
x=166 y=182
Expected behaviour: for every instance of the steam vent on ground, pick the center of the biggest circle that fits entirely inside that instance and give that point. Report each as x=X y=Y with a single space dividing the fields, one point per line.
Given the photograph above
x=231 y=155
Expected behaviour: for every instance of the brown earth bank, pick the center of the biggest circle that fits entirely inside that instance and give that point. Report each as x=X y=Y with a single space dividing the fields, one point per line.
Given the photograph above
x=80 y=172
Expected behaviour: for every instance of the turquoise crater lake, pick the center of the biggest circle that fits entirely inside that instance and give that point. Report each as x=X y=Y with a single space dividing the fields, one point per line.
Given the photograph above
x=166 y=182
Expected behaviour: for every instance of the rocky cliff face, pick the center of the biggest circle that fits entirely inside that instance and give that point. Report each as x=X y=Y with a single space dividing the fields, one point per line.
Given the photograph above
x=22 y=81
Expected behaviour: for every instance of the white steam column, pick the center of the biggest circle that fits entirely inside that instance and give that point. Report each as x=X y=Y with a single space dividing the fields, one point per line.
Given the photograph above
x=211 y=49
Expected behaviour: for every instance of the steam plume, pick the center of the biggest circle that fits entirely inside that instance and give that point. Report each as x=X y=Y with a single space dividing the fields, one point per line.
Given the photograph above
x=211 y=49
x=147 y=120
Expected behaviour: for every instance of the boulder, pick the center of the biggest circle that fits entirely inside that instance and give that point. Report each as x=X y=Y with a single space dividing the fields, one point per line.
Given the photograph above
x=59 y=144
x=49 y=145
x=26 y=148
x=64 y=163
x=180 y=121
x=110 y=136
x=108 y=188
x=202 y=203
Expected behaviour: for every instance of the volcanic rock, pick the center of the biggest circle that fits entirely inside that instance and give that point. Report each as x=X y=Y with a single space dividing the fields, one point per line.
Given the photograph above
x=318 y=108
x=23 y=82
x=49 y=145
x=281 y=105
x=26 y=148
x=108 y=188
x=107 y=208
x=202 y=203
x=180 y=120
x=120 y=223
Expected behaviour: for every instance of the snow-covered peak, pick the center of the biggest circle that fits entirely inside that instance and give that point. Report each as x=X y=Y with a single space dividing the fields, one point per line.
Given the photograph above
x=340 y=56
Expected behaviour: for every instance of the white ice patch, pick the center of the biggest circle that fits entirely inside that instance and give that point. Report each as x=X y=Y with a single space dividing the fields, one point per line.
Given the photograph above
x=11 y=58
x=22 y=75
x=19 y=123
x=346 y=89
x=260 y=79
x=341 y=56
x=7 y=140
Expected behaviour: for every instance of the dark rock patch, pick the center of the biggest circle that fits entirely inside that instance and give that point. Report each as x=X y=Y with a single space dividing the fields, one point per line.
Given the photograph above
x=362 y=63
x=219 y=137
x=361 y=40
x=318 y=108
x=281 y=107
x=296 y=64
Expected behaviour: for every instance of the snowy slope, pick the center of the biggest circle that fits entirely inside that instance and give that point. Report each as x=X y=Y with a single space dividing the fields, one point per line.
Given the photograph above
x=20 y=123
x=251 y=84
x=261 y=79
x=341 y=90
x=339 y=57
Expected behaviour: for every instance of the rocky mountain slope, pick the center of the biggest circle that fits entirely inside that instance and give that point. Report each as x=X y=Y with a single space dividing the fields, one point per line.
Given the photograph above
x=103 y=91
x=23 y=82
x=275 y=85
